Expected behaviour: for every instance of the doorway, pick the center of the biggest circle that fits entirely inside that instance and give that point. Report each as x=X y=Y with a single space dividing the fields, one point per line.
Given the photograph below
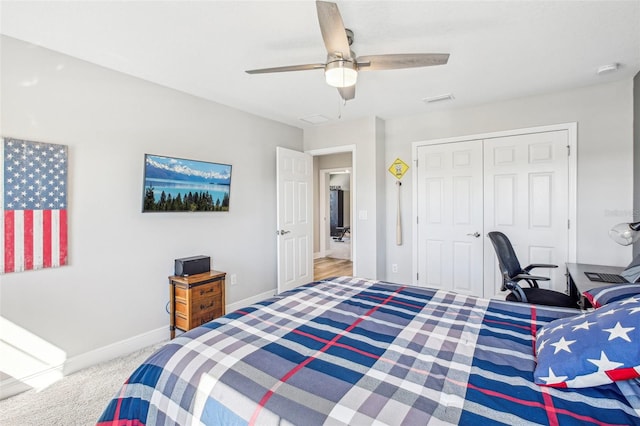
x=335 y=213
x=334 y=204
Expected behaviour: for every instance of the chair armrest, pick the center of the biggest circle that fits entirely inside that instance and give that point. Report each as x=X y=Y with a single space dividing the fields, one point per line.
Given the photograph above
x=516 y=290
x=529 y=277
x=539 y=265
x=532 y=280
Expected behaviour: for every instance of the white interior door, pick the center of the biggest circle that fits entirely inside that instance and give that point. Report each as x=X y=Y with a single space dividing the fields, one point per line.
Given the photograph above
x=295 y=221
x=527 y=198
x=450 y=204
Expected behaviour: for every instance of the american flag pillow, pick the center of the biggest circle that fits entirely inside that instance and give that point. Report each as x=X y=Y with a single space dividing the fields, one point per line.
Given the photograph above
x=592 y=349
x=600 y=296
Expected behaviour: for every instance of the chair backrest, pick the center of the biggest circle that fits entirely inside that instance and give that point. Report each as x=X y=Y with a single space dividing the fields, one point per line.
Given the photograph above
x=507 y=259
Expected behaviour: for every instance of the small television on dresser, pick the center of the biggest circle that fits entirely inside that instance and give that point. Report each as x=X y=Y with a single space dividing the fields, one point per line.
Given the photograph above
x=180 y=185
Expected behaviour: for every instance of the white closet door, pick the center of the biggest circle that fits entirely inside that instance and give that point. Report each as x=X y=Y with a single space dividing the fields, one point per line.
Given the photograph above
x=526 y=197
x=450 y=209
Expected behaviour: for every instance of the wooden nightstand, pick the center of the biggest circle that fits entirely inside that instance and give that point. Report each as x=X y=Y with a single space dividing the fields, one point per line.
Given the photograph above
x=195 y=300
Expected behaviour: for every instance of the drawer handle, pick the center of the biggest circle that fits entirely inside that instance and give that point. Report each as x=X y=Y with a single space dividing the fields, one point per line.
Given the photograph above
x=203 y=292
x=203 y=306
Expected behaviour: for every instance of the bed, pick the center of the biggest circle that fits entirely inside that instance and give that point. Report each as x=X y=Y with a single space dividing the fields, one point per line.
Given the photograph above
x=355 y=351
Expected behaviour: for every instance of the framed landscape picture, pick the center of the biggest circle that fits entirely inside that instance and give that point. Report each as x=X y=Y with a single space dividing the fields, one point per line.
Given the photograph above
x=181 y=185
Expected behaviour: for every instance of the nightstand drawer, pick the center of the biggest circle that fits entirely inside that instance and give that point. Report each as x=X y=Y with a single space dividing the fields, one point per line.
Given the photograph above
x=202 y=291
x=197 y=305
x=195 y=320
x=207 y=290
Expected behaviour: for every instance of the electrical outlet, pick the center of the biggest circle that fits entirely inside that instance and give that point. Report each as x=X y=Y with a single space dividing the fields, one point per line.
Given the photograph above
x=394 y=267
x=234 y=279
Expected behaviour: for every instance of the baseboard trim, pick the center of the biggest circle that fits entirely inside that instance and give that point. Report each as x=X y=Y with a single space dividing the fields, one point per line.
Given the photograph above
x=13 y=386
x=250 y=300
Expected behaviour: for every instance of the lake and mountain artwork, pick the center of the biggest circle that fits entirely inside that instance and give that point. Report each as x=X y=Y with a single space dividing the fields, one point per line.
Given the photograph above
x=176 y=184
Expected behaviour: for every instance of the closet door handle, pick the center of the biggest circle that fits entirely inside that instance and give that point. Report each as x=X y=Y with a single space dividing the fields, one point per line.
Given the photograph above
x=475 y=234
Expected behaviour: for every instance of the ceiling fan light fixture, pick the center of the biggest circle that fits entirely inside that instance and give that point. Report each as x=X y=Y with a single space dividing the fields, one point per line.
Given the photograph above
x=341 y=73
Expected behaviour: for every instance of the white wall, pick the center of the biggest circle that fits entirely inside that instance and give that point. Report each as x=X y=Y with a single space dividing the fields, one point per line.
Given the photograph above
x=116 y=284
x=605 y=154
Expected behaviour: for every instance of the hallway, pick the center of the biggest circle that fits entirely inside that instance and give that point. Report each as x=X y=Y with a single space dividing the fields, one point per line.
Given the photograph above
x=326 y=267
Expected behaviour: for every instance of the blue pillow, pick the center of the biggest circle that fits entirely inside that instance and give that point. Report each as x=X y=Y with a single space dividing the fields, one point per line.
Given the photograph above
x=600 y=296
x=592 y=349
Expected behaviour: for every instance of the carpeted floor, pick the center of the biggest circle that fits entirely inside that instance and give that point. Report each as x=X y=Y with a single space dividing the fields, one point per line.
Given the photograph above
x=77 y=399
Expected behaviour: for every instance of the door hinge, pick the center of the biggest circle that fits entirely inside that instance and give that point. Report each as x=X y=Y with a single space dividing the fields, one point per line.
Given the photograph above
x=569 y=150
x=416 y=163
x=417 y=276
x=417 y=220
x=568 y=223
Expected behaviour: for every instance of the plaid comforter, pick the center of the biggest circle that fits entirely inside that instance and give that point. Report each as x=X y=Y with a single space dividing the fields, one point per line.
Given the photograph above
x=354 y=351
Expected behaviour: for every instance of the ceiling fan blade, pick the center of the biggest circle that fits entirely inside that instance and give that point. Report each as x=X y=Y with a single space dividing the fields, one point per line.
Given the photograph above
x=332 y=28
x=347 y=93
x=304 y=67
x=401 y=60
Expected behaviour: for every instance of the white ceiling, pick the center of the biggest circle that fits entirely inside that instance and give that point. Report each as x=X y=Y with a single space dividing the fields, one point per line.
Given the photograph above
x=499 y=49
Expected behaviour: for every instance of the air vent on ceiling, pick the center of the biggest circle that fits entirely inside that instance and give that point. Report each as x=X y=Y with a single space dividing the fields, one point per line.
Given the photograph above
x=605 y=69
x=314 y=119
x=439 y=98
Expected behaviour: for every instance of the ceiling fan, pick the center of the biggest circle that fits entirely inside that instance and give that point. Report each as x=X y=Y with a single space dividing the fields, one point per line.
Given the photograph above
x=342 y=65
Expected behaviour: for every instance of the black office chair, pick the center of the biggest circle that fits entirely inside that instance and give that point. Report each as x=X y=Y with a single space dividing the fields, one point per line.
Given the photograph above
x=513 y=273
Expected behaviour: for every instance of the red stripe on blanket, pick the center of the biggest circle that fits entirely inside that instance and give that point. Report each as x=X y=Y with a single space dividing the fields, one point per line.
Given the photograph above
x=549 y=407
x=510 y=324
x=354 y=349
x=133 y=422
x=340 y=345
x=304 y=363
x=534 y=330
x=116 y=420
x=536 y=404
x=395 y=302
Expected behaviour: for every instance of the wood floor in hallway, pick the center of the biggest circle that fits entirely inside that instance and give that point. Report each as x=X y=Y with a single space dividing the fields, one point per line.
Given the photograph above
x=326 y=267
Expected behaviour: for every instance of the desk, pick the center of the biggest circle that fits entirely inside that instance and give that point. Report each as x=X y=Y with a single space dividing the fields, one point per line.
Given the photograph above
x=577 y=281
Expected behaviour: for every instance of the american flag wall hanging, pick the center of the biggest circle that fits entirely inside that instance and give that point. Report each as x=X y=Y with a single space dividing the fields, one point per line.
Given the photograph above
x=34 y=205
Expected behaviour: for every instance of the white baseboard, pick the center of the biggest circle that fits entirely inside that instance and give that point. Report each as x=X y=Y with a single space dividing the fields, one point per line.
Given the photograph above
x=114 y=350
x=250 y=300
x=13 y=386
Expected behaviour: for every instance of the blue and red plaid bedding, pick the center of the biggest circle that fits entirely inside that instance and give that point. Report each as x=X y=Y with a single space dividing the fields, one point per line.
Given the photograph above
x=353 y=351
